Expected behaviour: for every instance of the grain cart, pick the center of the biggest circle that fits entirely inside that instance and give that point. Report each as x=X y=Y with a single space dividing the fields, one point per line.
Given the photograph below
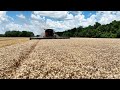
x=49 y=34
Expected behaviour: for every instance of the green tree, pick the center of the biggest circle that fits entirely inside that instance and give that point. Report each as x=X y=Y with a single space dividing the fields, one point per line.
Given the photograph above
x=118 y=33
x=111 y=30
x=18 y=34
x=96 y=25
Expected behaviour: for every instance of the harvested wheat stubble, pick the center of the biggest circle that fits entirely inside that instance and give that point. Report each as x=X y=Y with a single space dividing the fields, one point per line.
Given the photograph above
x=11 y=56
x=66 y=58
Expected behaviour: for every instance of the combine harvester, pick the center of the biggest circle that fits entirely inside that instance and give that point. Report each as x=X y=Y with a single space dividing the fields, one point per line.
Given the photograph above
x=49 y=34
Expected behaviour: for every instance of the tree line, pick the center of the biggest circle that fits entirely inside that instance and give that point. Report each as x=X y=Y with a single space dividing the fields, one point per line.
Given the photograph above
x=17 y=34
x=111 y=30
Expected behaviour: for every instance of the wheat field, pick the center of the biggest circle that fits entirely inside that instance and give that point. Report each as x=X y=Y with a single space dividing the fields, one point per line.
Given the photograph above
x=5 y=41
x=74 y=58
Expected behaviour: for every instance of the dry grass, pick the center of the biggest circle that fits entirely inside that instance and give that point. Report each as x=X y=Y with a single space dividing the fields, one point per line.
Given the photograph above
x=62 y=59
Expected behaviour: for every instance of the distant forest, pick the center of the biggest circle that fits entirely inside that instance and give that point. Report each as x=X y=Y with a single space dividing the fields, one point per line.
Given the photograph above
x=17 y=34
x=111 y=30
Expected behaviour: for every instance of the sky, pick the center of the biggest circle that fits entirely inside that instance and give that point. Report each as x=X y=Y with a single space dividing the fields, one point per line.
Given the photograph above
x=37 y=21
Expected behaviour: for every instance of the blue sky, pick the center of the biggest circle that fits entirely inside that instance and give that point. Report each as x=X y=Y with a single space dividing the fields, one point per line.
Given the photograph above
x=36 y=21
x=14 y=13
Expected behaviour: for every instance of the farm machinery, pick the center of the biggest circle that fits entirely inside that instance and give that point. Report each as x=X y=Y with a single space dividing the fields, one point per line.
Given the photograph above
x=49 y=34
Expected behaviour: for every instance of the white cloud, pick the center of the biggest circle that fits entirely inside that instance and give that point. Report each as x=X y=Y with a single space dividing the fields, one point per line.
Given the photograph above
x=3 y=16
x=69 y=17
x=4 y=20
x=36 y=17
x=90 y=21
x=21 y=16
x=13 y=26
x=52 y=14
x=75 y=12
x=2 y=13
x=105 y=17
x=56 y=24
